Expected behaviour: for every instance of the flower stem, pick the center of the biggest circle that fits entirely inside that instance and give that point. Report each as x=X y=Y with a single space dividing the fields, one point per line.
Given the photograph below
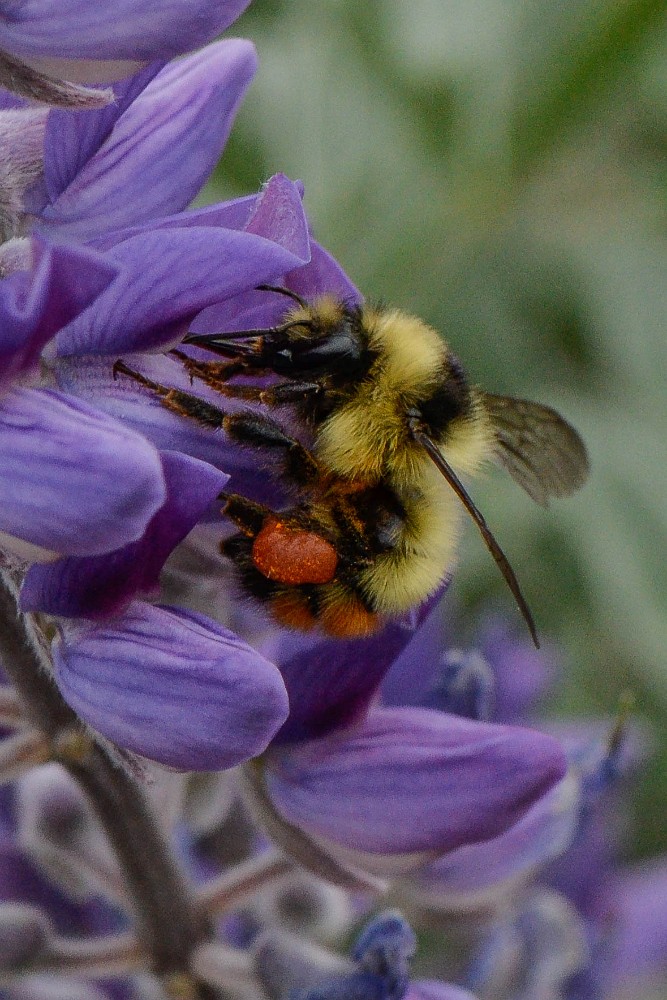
x=169 y=923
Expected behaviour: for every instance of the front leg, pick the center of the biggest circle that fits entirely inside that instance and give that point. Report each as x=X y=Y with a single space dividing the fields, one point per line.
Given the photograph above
x=216 y=376
x=251 y=429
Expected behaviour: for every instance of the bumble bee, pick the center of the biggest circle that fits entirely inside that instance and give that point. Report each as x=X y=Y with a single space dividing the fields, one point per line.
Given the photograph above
x=394 y=424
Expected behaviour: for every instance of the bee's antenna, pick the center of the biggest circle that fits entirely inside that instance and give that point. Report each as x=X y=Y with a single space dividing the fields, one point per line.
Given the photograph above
x=281 y=290
x=492 y=545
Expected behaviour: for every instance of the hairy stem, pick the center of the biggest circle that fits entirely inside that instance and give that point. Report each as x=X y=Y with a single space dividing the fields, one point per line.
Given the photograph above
x=169 y=923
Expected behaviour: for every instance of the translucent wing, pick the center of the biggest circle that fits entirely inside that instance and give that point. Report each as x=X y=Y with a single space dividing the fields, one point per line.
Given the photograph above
x=539 y=449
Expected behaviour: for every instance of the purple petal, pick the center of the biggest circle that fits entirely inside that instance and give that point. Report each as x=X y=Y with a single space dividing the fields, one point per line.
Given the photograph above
x=105 y=585
x=412 y=781
x=159 y=152
x=128 y=29
x=74 y=481
x=331 y=682
x=91 y=379
x=35 y=304
x=324 y=275
x=481 y=874
x=171 y=686
x=72 y=138
x=414 y=672
x=169 y=275
x=321 y=275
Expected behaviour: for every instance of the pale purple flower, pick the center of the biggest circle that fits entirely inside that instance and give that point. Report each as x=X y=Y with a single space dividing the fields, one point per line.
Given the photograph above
x=86 y=494
x=406 y=785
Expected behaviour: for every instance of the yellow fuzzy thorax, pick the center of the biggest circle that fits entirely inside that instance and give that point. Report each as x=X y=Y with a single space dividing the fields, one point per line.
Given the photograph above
x=367 y=437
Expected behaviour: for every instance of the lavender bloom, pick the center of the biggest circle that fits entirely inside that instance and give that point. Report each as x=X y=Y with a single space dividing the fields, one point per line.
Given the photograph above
x=407 y=785
x=564 y=921
x=352 y=788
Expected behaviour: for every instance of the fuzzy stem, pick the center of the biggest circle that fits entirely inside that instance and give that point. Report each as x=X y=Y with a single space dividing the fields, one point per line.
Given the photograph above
x=169 y=923
x=21 y=79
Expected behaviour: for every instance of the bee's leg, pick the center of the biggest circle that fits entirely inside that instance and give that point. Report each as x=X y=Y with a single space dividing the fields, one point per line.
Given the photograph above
x=213 y=373
x=247 y=515
x=252 y=429
x=216 y=375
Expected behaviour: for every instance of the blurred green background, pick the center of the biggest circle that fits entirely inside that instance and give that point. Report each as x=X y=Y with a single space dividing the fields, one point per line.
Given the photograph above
x=498 y=167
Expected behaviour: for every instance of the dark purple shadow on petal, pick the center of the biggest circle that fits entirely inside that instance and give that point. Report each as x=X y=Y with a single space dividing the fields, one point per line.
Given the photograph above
x=35 y=304
x=105 y=585
x=332 y=682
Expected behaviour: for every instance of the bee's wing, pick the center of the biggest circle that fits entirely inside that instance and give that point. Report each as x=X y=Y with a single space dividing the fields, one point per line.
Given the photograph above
x=539 y=449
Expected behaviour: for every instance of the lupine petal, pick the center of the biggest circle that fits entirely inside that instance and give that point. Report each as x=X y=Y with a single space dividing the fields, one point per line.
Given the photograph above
x=159 y=152
x=166 y=278
x=331 y=682
x=321 y=275
x=479 y=874
x=128 y=29
x=171 y=686
x=105 y=585
x=35 y=304
x=72 y=139
x=91 y=379
x=406 y=782
x=74 y=481
x=168 y=275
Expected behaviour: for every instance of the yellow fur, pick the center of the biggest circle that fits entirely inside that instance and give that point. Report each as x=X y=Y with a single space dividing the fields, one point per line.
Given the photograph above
x=367 y=440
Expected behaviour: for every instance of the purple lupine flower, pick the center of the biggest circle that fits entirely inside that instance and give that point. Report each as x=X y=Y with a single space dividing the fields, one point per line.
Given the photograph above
x=406 y=785
x=356 y=788
x=83 y=487
x=562 y=919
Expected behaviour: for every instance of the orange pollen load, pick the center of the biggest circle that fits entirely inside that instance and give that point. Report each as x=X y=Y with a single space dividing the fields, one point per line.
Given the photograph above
x=292 y=555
